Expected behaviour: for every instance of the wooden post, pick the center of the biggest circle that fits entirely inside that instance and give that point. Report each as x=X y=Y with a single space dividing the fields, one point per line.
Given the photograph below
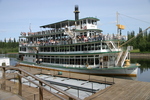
x=71 y=98
x=40 y=91
x=19 y=84
x=3 y=79
x=105 y=83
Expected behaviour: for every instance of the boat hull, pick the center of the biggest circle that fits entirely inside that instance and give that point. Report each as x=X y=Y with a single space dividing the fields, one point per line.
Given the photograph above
x=113 y=72
x=129 y=71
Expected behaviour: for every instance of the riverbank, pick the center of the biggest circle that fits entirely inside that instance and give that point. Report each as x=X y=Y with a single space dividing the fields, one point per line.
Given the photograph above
x=140 y=55
x=133 y=55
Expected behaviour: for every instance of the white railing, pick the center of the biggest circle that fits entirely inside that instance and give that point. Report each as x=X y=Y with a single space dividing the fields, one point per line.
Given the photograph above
x=118 y=58
x=125 y=56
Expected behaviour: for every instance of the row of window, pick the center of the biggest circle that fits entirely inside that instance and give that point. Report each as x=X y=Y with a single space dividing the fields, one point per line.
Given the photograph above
x=72 y=60
x=86 y=47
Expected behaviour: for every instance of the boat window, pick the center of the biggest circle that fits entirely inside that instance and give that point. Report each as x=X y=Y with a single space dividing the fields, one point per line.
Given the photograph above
x=89 y=47
x=92 y=46
x=96 y=61
x=84 y=21
x=85 y=33
x=89 y=21
x=92 y=21
x=77 y=22
x=96 y=56
x=105 y=58
x=90 y=61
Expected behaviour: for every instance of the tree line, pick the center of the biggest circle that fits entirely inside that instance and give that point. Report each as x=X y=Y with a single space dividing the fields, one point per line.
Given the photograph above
x=9 y=46
x=141 y=42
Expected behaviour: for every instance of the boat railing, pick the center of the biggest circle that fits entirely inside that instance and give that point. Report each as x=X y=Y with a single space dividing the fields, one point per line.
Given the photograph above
x=41 y=32
x=65 y=41
x=125 y=56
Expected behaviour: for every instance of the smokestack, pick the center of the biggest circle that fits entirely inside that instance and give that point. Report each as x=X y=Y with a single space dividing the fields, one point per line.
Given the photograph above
x=76 y=12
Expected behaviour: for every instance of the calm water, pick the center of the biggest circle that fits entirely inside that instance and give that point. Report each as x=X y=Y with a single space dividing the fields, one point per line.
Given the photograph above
x=143 y=70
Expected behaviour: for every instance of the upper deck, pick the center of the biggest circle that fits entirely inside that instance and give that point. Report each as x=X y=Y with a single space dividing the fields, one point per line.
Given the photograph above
x=84 y=24
x=89 y=22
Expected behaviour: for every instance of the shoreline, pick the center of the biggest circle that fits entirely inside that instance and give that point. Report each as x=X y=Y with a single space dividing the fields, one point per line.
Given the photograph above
x=132 y=55
x=140 y=55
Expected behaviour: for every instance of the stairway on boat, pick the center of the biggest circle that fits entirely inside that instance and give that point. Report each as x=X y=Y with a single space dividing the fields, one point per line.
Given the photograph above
x=122 y=56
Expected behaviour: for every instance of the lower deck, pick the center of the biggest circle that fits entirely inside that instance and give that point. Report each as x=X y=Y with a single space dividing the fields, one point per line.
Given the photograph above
x=79 y=61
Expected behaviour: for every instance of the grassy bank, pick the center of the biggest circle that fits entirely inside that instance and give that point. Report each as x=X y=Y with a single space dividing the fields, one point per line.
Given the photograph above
x=137 y=51
x=8 y=50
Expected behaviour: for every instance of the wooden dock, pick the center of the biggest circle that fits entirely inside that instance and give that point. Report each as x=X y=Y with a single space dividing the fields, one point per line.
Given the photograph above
x=123 y=89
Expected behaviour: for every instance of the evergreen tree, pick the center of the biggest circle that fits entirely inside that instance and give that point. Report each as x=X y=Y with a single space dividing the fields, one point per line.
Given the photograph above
x=10 y=46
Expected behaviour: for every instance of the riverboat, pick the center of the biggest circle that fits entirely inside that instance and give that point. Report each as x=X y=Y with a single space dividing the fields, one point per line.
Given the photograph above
x=77 y=46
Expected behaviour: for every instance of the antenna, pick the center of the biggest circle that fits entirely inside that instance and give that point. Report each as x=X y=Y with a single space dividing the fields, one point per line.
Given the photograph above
x=117 y=22
x=30 y=27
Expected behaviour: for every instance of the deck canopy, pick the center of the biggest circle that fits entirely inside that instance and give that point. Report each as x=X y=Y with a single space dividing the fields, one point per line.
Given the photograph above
x=67 y=22
x=89 y=18
x=59 y=24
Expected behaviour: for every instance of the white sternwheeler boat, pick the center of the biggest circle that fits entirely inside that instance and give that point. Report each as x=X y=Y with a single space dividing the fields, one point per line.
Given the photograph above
x=77 y=46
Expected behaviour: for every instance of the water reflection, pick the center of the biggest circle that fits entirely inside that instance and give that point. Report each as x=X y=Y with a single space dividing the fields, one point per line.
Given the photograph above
x=144 y=69
x=145 y=64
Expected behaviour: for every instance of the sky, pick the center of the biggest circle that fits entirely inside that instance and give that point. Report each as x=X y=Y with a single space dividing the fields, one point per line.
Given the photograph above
x=17 y=16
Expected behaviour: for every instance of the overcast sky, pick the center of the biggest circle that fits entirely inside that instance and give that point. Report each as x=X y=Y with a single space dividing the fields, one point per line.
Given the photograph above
x=16 y=15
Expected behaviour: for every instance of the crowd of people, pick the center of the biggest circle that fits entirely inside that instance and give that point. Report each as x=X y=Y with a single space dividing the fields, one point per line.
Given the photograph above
x=77 y=39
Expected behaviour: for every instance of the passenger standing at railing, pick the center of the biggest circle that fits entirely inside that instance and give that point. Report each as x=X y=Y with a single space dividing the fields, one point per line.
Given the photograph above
x=100 y=36
x=93 y=38
x=31 y=42
x=38 y=42
x=107 y=36
x=104 y=37
x=89 y=38
x=40 y=61
x=97 y=37
x=83 y=37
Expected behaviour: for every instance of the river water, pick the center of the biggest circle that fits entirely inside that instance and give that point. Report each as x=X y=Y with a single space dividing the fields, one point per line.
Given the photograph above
x=143 y=70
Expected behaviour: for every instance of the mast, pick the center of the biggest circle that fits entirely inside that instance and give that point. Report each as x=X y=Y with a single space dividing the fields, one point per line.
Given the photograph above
x=119 y=26
x=117 y=23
